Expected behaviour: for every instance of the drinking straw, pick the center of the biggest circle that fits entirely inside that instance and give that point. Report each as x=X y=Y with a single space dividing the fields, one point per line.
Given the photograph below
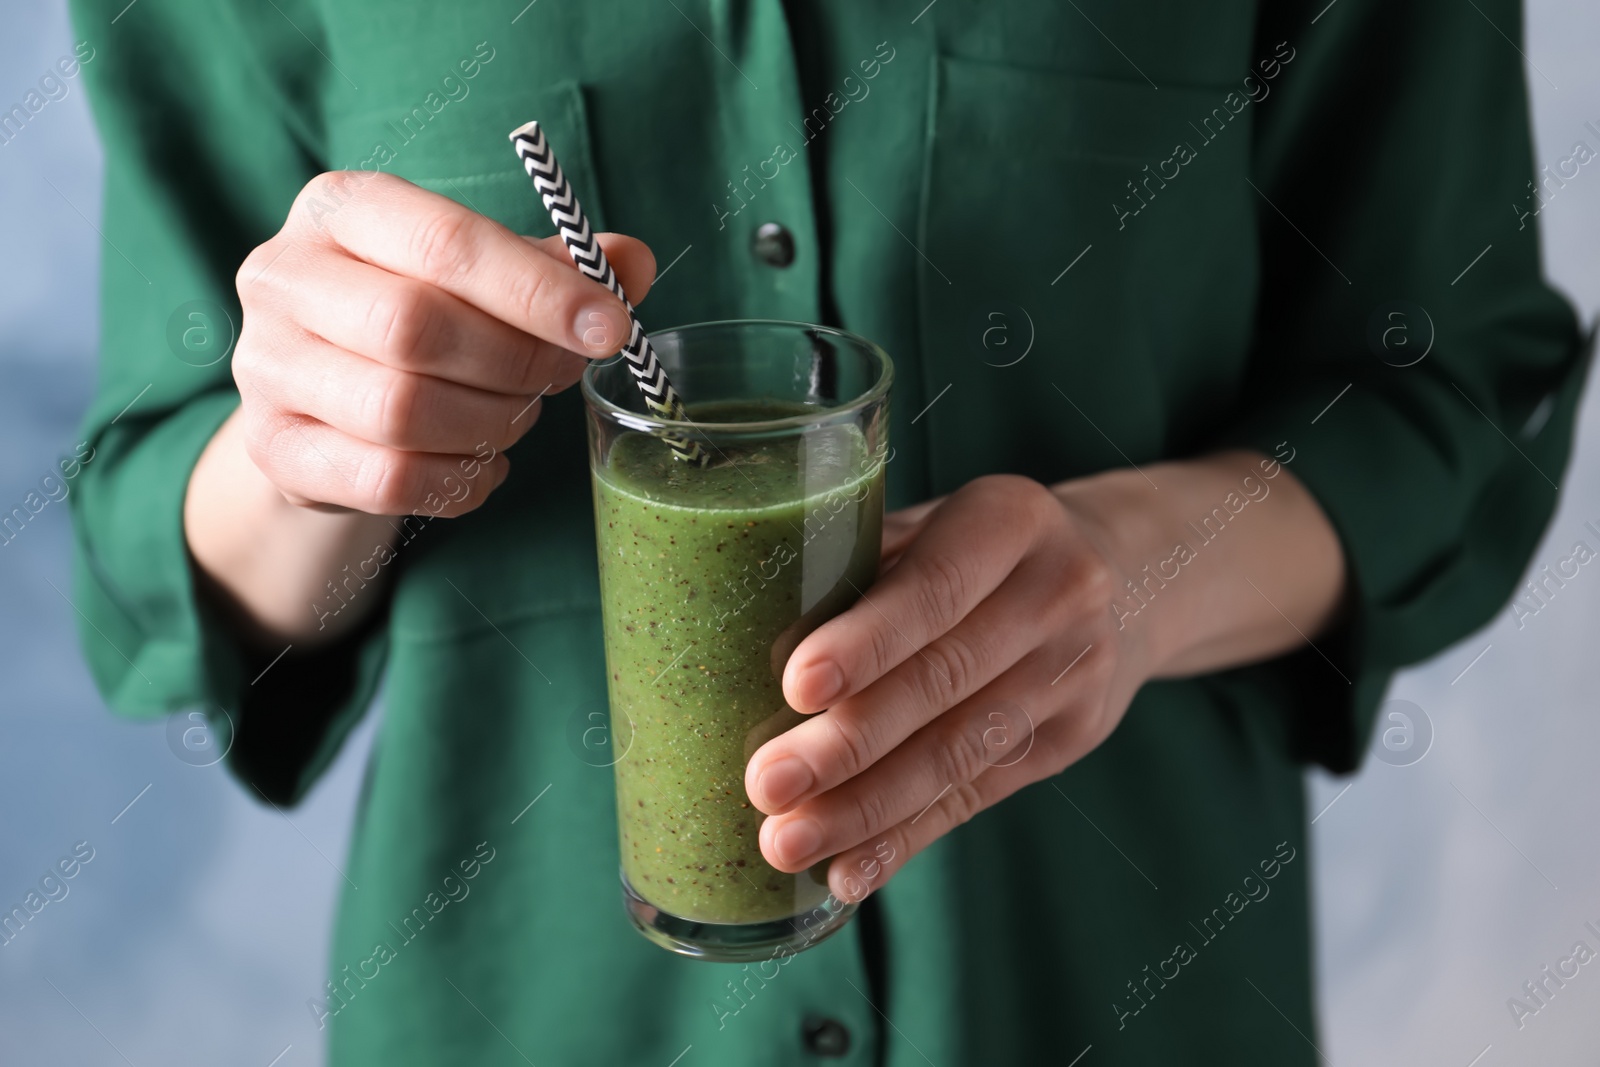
x=573 y=225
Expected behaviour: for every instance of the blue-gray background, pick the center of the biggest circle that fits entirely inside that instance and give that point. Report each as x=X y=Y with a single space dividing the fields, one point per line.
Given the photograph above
x=199 y=929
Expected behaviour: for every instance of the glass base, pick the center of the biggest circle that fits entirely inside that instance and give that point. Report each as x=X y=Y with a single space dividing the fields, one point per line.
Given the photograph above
x=735 y=942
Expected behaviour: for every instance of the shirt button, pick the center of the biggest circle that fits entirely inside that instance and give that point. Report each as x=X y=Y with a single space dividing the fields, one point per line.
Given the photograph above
x=827 y=1038
x=773 y=244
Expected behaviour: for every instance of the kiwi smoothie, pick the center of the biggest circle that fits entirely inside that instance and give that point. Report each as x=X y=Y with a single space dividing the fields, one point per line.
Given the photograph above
x=709 y=578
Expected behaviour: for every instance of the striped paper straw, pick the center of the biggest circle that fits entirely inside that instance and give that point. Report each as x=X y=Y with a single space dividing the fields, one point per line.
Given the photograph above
x=584 y=246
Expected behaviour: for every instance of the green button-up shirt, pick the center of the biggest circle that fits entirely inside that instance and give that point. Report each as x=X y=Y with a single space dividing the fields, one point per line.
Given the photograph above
x=1090 y=234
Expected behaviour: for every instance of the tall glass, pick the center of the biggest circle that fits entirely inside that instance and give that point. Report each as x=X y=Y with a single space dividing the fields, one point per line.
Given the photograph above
x=709 y=578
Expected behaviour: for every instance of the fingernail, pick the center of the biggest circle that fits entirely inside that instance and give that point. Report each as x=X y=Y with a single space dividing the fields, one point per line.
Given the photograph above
x=796 y=840
x=598 y=329
x=820 y=684
x=783 y=781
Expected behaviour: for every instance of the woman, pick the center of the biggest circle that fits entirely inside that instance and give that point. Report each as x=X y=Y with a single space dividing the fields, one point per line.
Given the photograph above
x=1226 y=385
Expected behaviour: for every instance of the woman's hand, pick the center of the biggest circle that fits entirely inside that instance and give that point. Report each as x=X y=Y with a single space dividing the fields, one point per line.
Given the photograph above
x=1002 y=643
x=394 y=345
x=985 y=658
x=393 y=339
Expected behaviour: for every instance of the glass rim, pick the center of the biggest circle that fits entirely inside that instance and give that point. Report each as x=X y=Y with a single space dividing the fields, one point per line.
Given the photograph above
x=633 y=420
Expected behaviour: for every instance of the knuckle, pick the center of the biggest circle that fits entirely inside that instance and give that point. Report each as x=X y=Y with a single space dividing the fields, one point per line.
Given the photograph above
x=1033 y=494
x=310 y=199
x=882 y=648
x=531 y=289
x=528 y=373
x=402 y=322
x=333 y=184
x=1006 y=735
x=1017 y=502
x=1094 y=581
x=439 y=245
x=270 y=437
x=246 y=362
x=260 y=373
x=392 y=405
x=386 y=479
x=260 y=431
x=940 y=592
x=852 y=745
x=960 y=755
x=265 y=273
x=1000 y=487
x=1087 y=587
x=947 y=667
x=322 y=196
x=375 y=182
x=962 y=803
x=250 y=270
x=869 y=810
x=1028 y=491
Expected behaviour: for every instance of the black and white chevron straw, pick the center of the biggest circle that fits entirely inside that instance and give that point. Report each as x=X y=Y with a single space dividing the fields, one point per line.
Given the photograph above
x=579 y=237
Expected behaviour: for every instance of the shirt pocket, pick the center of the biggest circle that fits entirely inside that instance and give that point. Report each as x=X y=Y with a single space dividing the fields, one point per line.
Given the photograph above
x=1088 y=266
x=468 y=157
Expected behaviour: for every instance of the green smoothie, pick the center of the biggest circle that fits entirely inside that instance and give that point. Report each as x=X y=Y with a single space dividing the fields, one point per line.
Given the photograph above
x=708 y=579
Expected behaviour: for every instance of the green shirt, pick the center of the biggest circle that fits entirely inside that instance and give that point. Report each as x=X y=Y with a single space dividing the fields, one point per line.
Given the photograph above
x=1089 y=235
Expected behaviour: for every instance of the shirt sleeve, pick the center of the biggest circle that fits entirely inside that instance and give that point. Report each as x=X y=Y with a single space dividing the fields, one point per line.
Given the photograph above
x=1393 y=165
x=204 y=113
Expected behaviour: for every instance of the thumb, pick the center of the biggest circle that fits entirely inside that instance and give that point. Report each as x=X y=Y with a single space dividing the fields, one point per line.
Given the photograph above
x=630 y=257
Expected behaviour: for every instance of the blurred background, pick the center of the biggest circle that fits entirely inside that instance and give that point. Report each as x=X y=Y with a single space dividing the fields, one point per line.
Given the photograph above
x=1456 y=865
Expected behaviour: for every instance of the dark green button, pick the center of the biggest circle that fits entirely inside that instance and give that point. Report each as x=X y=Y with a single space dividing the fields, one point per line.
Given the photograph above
x=773 y=244
x=827 y=1038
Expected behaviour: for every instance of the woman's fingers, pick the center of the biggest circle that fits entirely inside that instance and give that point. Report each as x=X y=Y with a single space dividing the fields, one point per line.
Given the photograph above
x=858 y=731
x=410 y=231
x=410 y=326
x=312 y=462
x=392 y=408
x=1058 y=742
x=1019 y=720
x=867 y=867
x=391 y=334
x=940 y=578
x=998 y=598
x=947 y=753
